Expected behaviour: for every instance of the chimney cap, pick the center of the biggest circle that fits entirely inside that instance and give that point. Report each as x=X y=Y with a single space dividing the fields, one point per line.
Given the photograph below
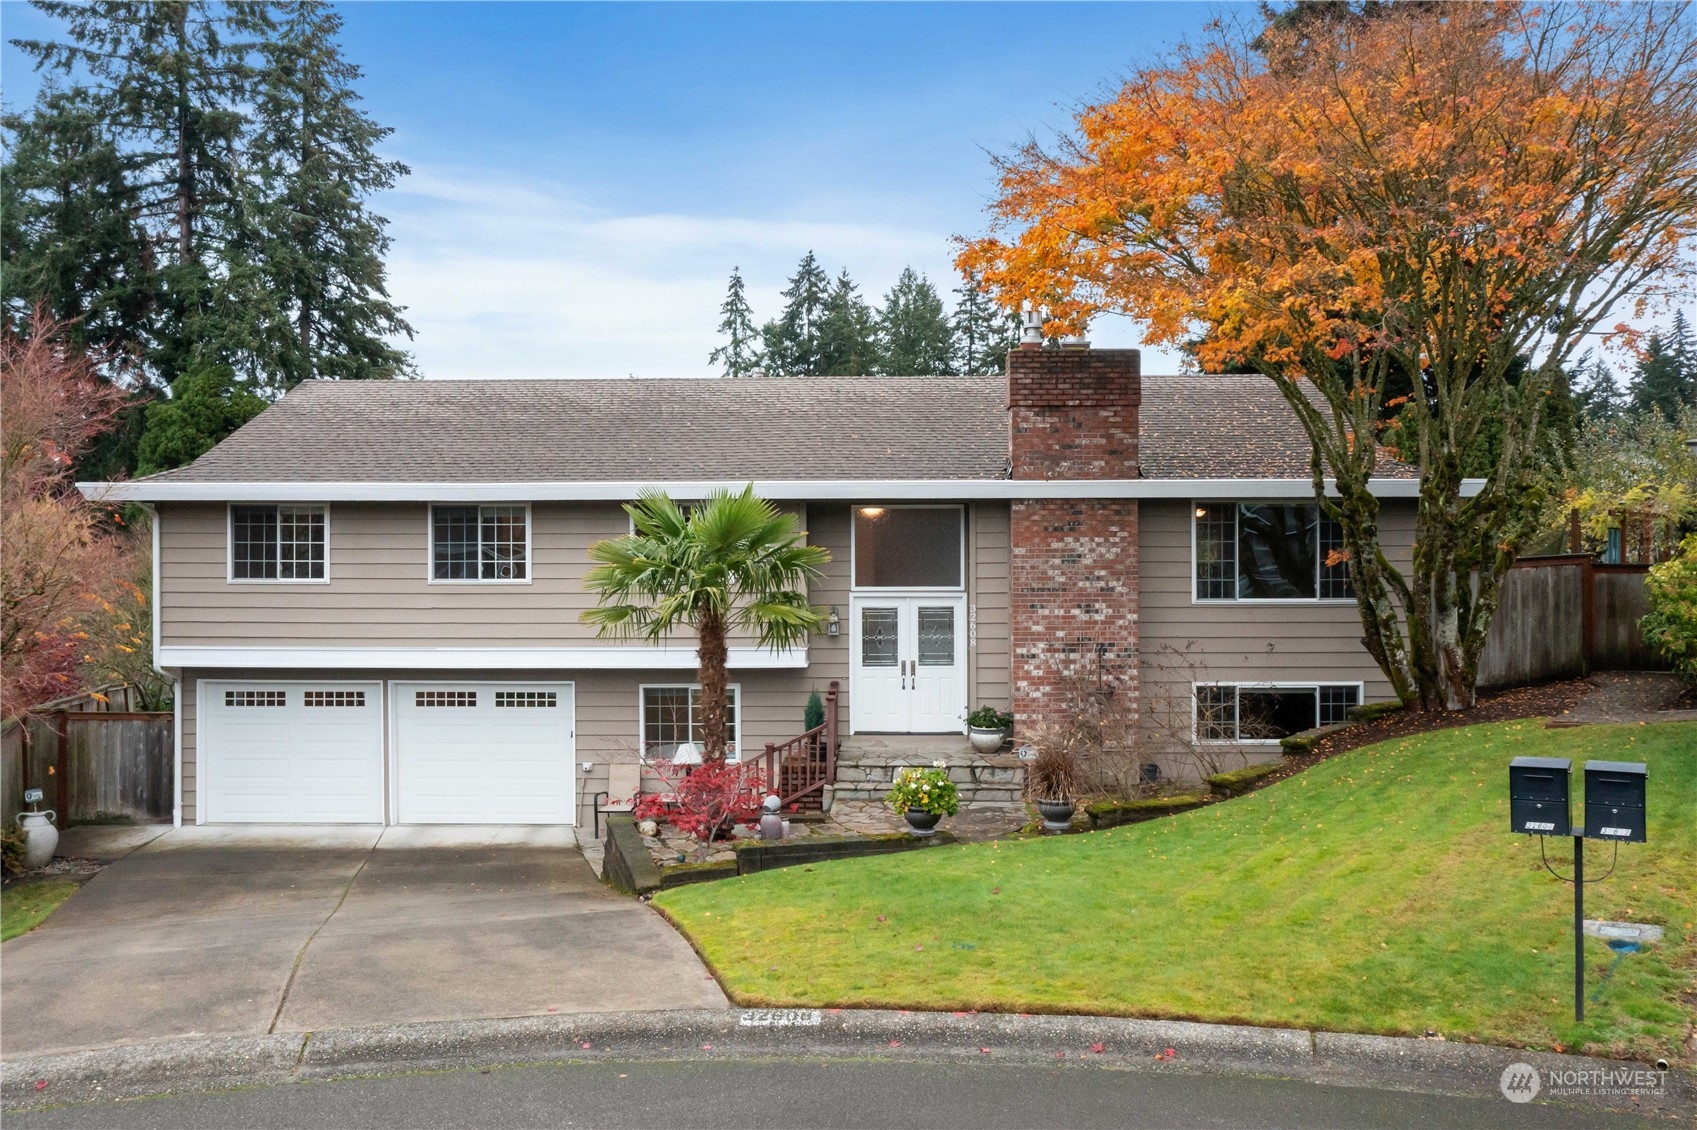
x=1031 y=334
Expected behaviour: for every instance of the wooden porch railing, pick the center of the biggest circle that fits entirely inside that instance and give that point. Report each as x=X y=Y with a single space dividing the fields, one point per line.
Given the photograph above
x=798 y=770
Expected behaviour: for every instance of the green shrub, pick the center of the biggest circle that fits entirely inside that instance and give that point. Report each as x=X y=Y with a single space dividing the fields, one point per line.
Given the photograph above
x=1671 y=626
x=12 y=845
x=989 y=718
x=813 y=714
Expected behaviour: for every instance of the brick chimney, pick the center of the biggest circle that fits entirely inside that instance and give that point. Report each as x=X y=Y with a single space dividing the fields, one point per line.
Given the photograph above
x=1072 y=412
x=1072 y=415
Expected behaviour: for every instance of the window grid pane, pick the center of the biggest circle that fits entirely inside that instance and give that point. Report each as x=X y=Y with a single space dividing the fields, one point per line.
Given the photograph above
x=1335 y=703
x=256 y=698
x=1216 y=714
x=454 y=537
x=1334 y=577
x=502 y=530
x=1216 y=552
x=300 y=543
x=253 y=543
x=445 y=698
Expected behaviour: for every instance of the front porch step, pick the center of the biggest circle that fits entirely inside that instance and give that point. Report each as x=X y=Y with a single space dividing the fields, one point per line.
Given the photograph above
x=867 y=764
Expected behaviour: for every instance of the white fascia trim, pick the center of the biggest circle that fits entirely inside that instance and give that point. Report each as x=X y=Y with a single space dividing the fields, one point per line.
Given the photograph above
x=476 y=658
x=805 y=490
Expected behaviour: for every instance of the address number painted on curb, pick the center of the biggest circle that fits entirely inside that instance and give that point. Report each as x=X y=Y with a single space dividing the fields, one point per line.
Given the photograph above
x=779 y=1018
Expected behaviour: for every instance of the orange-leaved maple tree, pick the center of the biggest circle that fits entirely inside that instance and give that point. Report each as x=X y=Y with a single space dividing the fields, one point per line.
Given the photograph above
x=1410 y=218
x=60 y=558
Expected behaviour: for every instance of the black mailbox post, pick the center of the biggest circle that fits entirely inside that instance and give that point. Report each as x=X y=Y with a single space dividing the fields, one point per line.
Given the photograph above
x=1614 y=801
x=1614 y=810
x=1537 y=795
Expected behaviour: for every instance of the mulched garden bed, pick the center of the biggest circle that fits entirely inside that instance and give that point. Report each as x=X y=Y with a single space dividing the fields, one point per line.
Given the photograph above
x=1551 y=700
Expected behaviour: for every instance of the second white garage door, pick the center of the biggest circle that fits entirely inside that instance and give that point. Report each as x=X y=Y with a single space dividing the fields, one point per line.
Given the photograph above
x=484 y=753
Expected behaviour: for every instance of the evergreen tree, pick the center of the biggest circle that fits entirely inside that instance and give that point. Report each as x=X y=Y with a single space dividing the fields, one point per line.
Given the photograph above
x=740 y=355
x=314 y=248
x=207 y=403
x=168 y=79
x=848 y=333
x=1666 y=376
x=913 y=329
x=71 y=242
x=792 y=341
x=1596 y=392
x=984 y=332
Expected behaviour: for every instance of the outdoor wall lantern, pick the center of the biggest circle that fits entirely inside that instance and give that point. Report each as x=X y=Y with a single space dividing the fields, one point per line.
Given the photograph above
x=1538 y=797
x=833 y=623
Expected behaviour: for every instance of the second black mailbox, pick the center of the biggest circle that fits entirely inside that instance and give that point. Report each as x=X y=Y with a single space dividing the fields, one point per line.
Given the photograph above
x=1537 y=795
x=1614 y=801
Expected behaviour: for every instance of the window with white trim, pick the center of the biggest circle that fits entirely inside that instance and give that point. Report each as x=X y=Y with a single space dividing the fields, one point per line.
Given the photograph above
x=672 y=716
x=277 y=543
x=479 y=543
x=1269 y=551
x=1228 y=712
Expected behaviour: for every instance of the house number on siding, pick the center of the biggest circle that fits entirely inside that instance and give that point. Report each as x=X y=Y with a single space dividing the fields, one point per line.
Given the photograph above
x=972 y=627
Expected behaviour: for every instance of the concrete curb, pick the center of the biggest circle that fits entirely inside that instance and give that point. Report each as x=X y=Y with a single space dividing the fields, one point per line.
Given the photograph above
x=1336 y=1059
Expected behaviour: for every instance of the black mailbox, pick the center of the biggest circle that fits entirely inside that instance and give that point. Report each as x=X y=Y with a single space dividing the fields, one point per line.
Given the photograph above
x=1614 y=801
x=1537 y=795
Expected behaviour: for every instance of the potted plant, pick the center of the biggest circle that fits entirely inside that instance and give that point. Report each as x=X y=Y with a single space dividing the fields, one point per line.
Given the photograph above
x=1052 y=776
x=987 y=728
x=924 y=796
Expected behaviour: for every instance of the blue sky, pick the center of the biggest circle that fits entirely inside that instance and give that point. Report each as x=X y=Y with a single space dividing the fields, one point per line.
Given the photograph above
x=586 y=175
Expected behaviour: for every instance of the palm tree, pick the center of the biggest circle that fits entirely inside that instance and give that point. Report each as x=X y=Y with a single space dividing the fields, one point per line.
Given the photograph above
x=734 y=561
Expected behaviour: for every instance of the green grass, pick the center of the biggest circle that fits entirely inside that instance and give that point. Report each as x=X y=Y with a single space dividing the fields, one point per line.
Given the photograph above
x=25 y=906
x=1379 y=891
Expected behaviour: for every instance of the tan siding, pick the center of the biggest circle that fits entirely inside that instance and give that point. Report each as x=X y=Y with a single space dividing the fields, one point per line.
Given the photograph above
x=1295 y=642
x=991 y=656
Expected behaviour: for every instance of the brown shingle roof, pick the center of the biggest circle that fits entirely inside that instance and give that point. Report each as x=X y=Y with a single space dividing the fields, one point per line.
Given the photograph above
x=620 y=431
x=1226 y=427
x=772 y=428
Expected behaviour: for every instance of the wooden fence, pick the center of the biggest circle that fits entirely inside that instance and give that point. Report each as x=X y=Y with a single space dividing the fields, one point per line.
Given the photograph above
x=94 y=761
x=1563 y=616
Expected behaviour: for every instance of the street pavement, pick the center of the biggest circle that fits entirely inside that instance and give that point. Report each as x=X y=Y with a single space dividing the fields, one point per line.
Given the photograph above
x=799 y=1093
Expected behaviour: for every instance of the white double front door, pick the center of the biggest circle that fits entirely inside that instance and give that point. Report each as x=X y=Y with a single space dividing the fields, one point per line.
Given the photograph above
x=908 y=659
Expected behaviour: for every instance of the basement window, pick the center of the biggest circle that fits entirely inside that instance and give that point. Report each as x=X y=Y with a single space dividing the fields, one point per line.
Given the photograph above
x=671 y=715
x=1258 y=712
x=1268 y=551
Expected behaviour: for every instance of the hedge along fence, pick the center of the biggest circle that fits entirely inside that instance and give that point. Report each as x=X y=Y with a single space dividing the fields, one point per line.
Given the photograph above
x=94 y=761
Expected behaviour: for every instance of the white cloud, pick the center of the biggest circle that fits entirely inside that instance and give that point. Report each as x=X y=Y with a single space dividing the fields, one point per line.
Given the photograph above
x=507 y=277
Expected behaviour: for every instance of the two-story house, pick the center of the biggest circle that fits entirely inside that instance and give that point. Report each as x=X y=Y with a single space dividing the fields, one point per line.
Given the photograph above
x=369 y=596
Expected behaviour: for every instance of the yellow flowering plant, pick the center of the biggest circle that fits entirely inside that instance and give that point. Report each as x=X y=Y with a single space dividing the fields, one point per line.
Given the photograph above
x=924 y=790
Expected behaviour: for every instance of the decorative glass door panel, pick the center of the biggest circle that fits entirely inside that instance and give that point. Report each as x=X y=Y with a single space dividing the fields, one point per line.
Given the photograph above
x=908 y=664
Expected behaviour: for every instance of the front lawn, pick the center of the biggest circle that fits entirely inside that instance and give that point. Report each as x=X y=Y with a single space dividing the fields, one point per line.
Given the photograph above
x=25 y=905
x=1379 y=891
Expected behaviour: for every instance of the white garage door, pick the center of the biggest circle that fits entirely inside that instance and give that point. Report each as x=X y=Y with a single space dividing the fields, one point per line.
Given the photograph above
x=484 y=753
x=291 y=753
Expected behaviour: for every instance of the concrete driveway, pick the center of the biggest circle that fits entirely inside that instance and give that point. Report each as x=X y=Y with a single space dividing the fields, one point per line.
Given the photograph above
x=219 y=931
